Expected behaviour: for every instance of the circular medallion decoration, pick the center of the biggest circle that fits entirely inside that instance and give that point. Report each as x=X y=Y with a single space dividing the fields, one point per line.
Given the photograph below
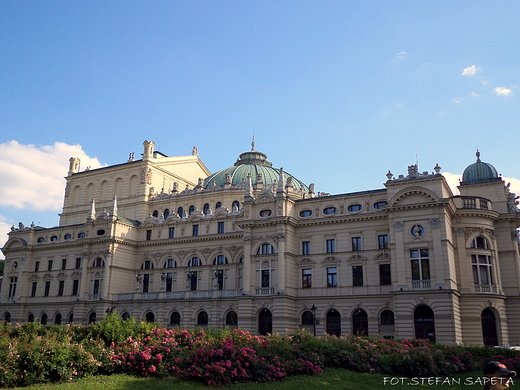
x=417 y=231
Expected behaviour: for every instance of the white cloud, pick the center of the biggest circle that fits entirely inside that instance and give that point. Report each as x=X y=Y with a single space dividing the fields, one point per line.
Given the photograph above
x=456 y=100
x=4 y=229
x=471 y=70
x=474 y=94
x=31 y=176
x=502 y=91
x=401 y=56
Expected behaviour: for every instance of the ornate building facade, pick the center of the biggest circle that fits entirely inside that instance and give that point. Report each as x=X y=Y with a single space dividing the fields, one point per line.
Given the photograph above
x=162 y=239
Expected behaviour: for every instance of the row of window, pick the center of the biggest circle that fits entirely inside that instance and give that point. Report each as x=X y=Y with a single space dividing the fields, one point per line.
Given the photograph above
x=357 y=244
x=331 y=210
x=385 y=277
x=50 y=264
x=67 y=236
x=206 y=210
x=195 y=231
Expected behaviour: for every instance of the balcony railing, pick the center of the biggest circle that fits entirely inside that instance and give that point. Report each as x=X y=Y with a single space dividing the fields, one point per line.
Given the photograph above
x=177 y=295
x=421 y=284
x=265 y=291
x=485 y=289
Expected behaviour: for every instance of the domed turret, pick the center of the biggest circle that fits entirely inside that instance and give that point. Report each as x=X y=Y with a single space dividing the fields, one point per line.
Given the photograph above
x=479 y=172
x=255 y=164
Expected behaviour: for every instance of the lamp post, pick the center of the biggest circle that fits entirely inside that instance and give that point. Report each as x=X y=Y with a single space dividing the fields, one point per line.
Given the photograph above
x=313 y=309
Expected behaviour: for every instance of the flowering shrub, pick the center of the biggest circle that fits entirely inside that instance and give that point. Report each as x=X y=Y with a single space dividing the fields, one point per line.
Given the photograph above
x=32 y=353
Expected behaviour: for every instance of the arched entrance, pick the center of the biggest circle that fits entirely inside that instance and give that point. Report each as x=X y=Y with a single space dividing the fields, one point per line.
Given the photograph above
x=424 y=323
x=333 y=323
x=489 y=328
x=7 y=317
x=360 y=323
x=92 y=318
x=265 y=322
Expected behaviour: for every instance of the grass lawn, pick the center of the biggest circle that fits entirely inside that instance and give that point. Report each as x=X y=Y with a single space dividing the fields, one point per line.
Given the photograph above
x=330 y=379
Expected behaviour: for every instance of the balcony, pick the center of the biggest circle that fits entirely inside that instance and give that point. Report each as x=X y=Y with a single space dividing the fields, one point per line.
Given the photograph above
x=265 y=291
x=421 y=284
x=177 y=295
x=485 y=289
x=472 y=202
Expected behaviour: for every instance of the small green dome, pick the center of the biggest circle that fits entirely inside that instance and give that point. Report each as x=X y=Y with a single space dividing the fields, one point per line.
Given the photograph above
x=251 y=163
x=479 y=172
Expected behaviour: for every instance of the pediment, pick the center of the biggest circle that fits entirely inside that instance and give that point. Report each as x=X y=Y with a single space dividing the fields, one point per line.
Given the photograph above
x=265 y=199
x=382 y=256
x=306 y=261
x=357 y=258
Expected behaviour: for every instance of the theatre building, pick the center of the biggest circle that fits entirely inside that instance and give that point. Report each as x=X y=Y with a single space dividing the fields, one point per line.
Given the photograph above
x=163 y=239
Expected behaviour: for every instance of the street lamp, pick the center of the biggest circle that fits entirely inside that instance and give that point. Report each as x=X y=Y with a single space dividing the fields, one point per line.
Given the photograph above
x=313 y=309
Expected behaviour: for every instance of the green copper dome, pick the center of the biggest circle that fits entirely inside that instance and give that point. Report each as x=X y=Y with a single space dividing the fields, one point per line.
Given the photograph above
x=479 y=172
x=252 y=163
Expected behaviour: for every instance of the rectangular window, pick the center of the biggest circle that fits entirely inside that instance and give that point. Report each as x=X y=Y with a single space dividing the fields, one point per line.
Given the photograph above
x=219 y=278
x=193 y=280
x=78 y=262
x=385 y=278
x=148 y=235
x=356 y=244
x=146 y=282
x=357 y=275
x=12 y=286
x=95 y=287
x=36 y=266
x=75 y=287
x=332 y=277
x=482 y=270
x=306 y=248
x=171 y=232
x=331 y=246
x=169 y=282
x=63 y=264
x=60 y=287
x=307 y=278
x=383 y=241
x=420 y=264
x=195 y=230
x=221 y=227
x=47 y=289
x=33 y=289
x=266 y=278
x=49 y=265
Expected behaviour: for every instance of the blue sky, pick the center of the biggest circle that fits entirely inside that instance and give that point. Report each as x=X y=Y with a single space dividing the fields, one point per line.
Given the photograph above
x=336 y=92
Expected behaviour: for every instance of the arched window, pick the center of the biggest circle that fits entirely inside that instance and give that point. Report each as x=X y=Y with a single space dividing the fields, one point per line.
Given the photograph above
x=155 y=213
x=150 y=317
x=30 y=318
x=147 y=265
x=175 y=319
x=166 y=212
x=235 y=206
x=57 y=319
x=360 y=323
x=307 y=318
x=71 y=318
x=194 y=262
x=125 y=316
x=220 y=259
x=191 y=209
x=480 y=243
x=180 y=211
x=265 y=249
x=44 y=319
x=202 y=319
x=170 y=263
x=387 y=317
x=99 y=262
x=218 y=205
x=92 y=318
x=7 y=317
x=205 y=209
x=231 y=319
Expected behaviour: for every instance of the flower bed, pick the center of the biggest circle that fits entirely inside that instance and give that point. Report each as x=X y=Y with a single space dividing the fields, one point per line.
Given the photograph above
x=33 y=353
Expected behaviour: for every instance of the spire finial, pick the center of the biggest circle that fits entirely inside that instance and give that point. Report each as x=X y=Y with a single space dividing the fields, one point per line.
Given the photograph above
x=253 y=144
x=478 y=156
